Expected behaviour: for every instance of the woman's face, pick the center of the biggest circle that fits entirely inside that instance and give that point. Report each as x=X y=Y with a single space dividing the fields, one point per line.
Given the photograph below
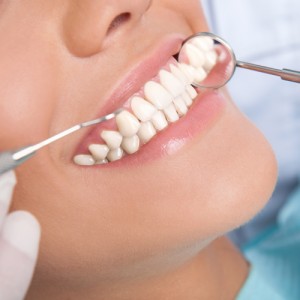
x=64 y=62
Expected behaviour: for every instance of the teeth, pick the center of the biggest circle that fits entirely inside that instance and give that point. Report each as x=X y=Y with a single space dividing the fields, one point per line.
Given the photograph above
x=179 y=74
x=171 y=113
x=157 y=95
x=112 y=138
x=164 y=102
x=102 y=162
x=131 y=144
x=115 y=154
x=146 y=132
x=180 y=106
x=191 y=91
x=127 y=123
x=195 y=56
x=98 y=151
x=210 y=60
x=142 y=109
x=187 y=99
x=183 y=78
x=189 y=71
x=200 y=74
x=174 y=86
x=84 y=160
x=204 y=43
x=159 y=121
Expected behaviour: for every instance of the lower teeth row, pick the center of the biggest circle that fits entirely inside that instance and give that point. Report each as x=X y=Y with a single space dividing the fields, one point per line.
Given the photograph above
x=163 y=103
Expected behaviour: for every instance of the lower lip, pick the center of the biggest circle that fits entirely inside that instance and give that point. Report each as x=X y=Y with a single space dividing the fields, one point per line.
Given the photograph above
x=208 y=107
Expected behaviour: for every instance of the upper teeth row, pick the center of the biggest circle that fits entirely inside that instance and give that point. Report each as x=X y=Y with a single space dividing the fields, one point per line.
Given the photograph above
x=162 y=103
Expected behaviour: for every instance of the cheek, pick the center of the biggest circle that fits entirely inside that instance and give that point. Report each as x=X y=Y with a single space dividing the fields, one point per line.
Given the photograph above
x=27 y=89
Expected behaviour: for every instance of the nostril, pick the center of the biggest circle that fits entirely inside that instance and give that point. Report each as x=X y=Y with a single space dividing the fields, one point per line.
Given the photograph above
x=117 y=21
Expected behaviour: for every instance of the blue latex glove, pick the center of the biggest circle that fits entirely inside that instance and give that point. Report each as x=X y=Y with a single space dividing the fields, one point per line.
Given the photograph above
x=19 y=242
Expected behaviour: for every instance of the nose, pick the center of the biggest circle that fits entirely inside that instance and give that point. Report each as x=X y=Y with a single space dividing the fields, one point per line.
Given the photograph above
x=87 y=23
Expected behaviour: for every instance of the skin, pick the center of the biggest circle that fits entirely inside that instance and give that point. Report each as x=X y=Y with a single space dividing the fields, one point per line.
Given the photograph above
x=121 y=233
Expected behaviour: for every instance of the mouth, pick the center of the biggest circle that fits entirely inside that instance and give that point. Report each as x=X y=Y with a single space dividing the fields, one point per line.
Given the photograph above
x=160 y=106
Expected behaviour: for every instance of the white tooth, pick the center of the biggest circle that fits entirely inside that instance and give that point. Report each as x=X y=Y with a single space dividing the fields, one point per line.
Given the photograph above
x=191 y=91
x=159 y=121
x=210 y=60
x=179 y=74
x=142 y=109
x=127 y=123
x=115 y=154
x=189 y=72
x=187 y=99
x=200 y=75
x=203 y=43
x=112 y=138
x=157 y=94
x=131 y=144
x=98 y=151
x=171 y=83
x=182 y=77
x=171 y=113
x=84 y=160
x=195 y=55
x=102 y=162
x=180 y=106
x=146 y=132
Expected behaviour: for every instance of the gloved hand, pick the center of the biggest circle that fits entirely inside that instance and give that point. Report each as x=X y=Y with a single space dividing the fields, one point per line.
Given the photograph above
x=19 y=242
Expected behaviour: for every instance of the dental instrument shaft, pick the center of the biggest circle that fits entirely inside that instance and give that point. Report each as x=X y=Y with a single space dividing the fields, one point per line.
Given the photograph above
x=285 y=74
x=11 y=159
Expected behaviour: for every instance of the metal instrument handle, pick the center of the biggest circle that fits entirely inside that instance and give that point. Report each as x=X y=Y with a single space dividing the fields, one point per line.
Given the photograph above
x=8 y=163
x=284 y=74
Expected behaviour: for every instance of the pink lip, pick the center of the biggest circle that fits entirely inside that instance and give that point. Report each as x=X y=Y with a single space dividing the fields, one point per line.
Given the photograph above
x=132 y=83
x=206 y=108
x=204 y=113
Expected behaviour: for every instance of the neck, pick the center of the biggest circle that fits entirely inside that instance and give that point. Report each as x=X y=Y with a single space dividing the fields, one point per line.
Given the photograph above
x=217 y=272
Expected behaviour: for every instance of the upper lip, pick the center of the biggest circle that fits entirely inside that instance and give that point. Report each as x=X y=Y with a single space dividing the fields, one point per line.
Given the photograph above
x=140 y=73
x=143 y=71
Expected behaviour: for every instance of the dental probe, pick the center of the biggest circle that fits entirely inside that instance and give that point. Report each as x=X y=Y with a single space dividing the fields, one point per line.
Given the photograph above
x=13 y=158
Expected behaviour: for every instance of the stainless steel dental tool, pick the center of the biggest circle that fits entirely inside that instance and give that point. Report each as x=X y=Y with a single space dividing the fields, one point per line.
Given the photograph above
x=11 y=159
x=208 y=52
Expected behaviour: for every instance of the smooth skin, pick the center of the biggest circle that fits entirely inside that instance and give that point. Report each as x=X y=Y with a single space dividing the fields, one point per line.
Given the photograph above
x=121 y=233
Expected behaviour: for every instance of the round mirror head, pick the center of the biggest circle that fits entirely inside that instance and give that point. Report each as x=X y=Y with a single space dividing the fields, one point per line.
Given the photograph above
x=208 y=59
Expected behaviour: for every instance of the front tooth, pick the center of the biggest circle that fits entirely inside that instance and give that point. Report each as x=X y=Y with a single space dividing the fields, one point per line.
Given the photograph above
x=157 y=95
x=171 y=113
x=112 y=138
x=102 y=162
x=189 y=71
x=146 y=132
x=203 y=43
x=210 y=60
x=115 y=154
x=179 y=74
x=187 y=99
x=200 y=75
x=159 y=121
x=127 y=123
x=191 y=91
x=195 y=56
x=180 y=106
x=171 y=83
x=182 y=77
x=84 y=160
x=142 y=109
x=131 y=144
x=98 y=151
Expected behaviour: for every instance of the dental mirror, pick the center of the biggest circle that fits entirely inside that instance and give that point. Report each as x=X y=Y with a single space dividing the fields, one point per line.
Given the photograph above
x=210 y=62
